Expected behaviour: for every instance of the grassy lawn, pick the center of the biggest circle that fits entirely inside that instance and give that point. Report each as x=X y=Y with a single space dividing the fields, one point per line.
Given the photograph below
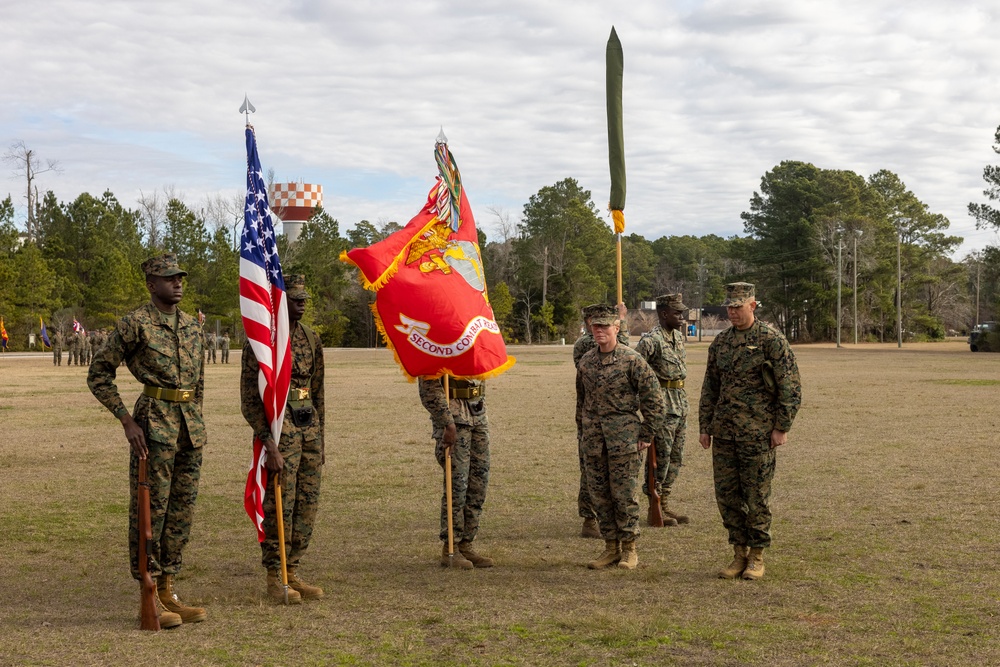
x=885 y=536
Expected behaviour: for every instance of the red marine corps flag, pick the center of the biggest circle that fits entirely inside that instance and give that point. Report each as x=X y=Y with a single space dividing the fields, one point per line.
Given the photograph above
x=431 y=304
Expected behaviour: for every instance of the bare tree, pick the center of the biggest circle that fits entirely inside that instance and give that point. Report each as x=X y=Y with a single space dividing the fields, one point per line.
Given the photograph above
x=26 y=165
x=223 y=211
x=502 y=251
x=152 y=213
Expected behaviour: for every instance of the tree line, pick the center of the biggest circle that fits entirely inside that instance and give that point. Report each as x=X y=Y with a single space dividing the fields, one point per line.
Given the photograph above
x=806 y=230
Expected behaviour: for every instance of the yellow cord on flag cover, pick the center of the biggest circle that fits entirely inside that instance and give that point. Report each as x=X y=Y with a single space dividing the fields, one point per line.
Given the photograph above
x=619 y=219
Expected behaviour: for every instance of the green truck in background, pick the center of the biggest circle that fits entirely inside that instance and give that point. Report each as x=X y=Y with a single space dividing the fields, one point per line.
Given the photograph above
x=985 y=337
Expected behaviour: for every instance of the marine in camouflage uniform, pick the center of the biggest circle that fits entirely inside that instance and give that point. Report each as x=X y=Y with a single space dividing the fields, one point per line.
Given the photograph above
x=663 y=349
x=300 y=455
x=459 y=422
x=224 y=345
x=57 y=348
x=72 y=349
x=613 y=386
x=213 y=345
x=162 y=347
x=85 y=348
x=584 y=344
x=749 y=399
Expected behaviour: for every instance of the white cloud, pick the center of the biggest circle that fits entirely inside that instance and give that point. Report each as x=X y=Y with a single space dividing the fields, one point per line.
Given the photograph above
x=137 y=96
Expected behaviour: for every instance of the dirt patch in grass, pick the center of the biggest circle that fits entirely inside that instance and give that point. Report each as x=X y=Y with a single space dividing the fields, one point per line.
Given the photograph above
x=885 y=504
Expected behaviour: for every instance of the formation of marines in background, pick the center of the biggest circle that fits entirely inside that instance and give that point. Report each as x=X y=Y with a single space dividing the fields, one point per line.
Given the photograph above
x=628 y=400
x=81 y=346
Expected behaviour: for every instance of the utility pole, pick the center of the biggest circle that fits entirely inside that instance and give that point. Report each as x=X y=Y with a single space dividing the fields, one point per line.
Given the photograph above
x=979 y=268
x=701 y=293
x=840 y=247
x=899 y=283
x=857 y=233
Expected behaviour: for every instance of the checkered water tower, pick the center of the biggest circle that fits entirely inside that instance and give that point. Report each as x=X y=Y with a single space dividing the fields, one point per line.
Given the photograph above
x=294 y=203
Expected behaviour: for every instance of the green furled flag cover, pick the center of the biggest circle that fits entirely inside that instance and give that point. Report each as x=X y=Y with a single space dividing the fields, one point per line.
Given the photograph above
x=616 y=136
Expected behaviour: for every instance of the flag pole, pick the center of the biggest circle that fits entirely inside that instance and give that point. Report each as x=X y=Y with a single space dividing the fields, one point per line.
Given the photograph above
x=447 y=488
x=619 y=254
x=279 y=510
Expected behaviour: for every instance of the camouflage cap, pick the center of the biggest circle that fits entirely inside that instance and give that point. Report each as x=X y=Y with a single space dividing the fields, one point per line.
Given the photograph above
x=295 y=287
x=670 y=302
x=588 y=311
x=738 y=294
x=603 y=315
x=163 y=265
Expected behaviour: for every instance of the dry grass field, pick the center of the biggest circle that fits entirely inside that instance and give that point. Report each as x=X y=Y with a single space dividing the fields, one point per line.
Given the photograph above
x=885 y=552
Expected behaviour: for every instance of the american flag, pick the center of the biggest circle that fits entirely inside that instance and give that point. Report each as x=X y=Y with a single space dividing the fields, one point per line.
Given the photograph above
x=265 y=321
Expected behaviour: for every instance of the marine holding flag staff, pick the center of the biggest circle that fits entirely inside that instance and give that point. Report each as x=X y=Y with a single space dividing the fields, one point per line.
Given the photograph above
x=162 y=348
x=460 y=425
x=300 y=455
x=433 y=310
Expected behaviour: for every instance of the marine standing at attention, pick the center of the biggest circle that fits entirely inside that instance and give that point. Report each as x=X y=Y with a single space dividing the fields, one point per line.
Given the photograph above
x=57 y=346
x=299 y=457
x=614 y=385
x=162 y=348
x=585 y=343
x=749 y=399
x=458 y=422
x=663 y=349
x=72 y=349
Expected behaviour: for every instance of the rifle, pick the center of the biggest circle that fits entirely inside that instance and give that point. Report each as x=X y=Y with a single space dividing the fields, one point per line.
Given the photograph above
x=655 y=512
x=149 y=619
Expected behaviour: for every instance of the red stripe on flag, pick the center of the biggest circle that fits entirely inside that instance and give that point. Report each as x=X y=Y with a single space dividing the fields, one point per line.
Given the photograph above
x=253 y=496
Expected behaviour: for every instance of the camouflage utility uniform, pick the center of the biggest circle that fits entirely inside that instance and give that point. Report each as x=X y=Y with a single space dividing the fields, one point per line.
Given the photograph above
x=582 y=346
x=611 y=390
x=470 y=456
x=72 y=347
x=85 y=349
x=57 y=348
x=224 y=347
x=664 y=351
x=168 y=362
x=739 y=411
x=301 y=445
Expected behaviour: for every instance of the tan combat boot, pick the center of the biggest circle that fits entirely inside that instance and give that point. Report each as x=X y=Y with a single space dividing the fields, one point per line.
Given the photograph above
x=168 y=619
x=677 y=518
x=307 y=591
x=590 y=528
x=276 y=590
x=612 y=553
x=629 y=559
x=739 y=563
x=465 y=548
x=755 y=564
x=458 y=561
x=165 y=591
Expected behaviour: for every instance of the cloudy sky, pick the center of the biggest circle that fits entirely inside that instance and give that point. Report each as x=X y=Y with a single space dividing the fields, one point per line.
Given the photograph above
x=140 y=96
